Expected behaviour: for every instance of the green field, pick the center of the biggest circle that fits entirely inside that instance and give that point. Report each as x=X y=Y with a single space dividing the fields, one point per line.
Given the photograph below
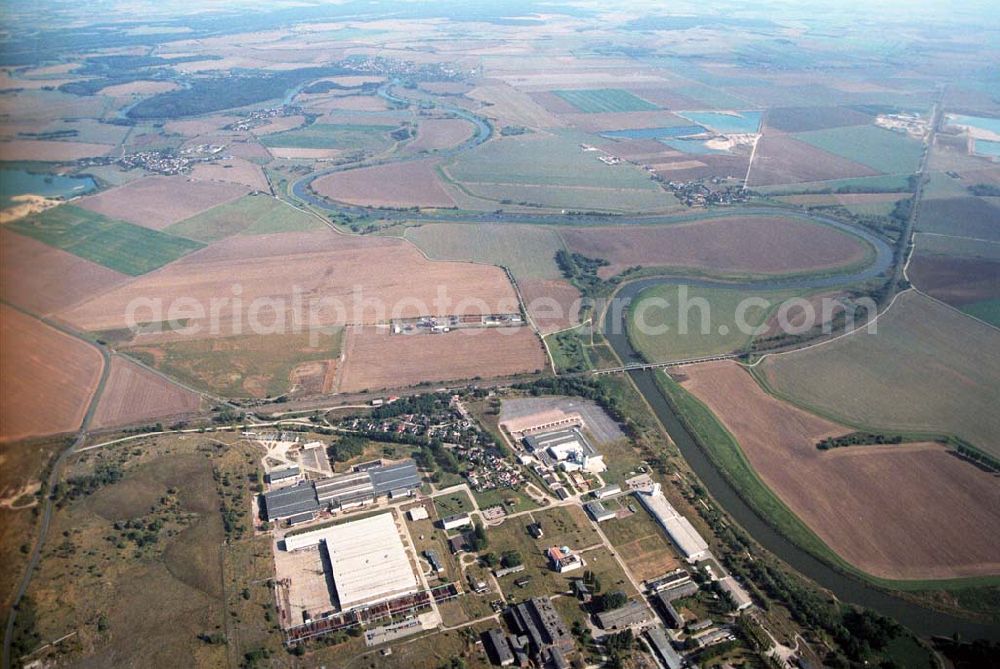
x=956 y=246
x=450 y=504
x=720 y=333
x=254 y=365
x=884 y=183
x=883 y=150
x=349 y=137
x=928 y=369
x=987 y=310
x=121 y=246
x=527 y=251
x=546 y=160
x=595 y=100
x=249 y=215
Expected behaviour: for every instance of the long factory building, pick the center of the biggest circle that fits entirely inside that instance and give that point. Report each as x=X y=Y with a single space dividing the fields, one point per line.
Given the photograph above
x=680 y=530
x=342 y=491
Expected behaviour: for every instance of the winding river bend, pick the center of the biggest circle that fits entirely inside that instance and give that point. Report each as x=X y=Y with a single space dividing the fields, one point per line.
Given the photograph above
x=922 y=620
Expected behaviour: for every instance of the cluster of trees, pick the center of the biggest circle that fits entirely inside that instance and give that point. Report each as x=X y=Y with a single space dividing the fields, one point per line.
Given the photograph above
x=619 y=647
x=901 y=210
x=347 y=447
x=582 y=271
x=425 y=404
x=979 y=458
x=858 y=439
x=86 y=484
x=204 y=96
x=610 y=601
x=140 y=532
x=478 y=541
x=984 y=190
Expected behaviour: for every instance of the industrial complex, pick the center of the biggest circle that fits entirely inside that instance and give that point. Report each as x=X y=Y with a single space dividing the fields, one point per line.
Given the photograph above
x=305 y=499
x=383 y=572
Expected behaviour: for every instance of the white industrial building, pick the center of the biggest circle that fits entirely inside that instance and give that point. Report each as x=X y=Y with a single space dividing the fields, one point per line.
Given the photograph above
x=456 y=521
x=567 y=449
x=678 y=528
x=418 y=513
x=368 y=561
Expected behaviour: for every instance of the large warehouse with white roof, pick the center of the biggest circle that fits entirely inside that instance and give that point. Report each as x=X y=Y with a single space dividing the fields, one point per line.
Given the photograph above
x=367 y=559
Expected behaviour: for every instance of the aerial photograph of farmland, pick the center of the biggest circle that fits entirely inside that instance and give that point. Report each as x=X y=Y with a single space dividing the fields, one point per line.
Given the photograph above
x=458 y=334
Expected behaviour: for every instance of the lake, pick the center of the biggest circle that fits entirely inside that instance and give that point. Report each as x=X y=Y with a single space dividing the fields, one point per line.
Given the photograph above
x=655 y=133
x=14 y=182
x=737 y=123
x=981 y=122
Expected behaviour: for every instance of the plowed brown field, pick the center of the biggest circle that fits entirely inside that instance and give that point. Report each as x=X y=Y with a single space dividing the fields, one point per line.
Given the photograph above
x=752 y=244
x=43 y=279
x=46 y=377
x=365 y=280
x=408 y=184
x=156 y=202
x=900 y=512
x=376 y=359
x=135 y=395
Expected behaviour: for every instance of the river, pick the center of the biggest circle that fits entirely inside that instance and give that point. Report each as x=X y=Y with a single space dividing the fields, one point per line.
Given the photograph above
x=920 y=619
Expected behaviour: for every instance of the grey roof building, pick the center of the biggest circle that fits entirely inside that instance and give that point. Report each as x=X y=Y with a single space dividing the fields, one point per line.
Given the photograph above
x=498 y=648
x=676 y=592
x=599 y=512
x=632 y=613
x=661 y=644
x=284 y=473
x=291 y=501
x=670 y=615
x=390 y=478
x=542 y=624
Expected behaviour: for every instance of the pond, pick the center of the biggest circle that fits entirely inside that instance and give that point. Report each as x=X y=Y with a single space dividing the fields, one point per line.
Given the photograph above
x=14 y=182
x=744 y=122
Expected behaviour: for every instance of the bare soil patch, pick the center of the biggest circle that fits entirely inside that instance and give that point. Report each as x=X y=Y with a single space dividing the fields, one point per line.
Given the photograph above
x=606 y=121
x=198 y=126
x=139 y=88
x=408 y=184
x=279 y=124
x=752 y=244
x=440 y=133
x=372 y=279
x=52 y=151
x=870 y=504
x=512 y=107
x=44 y=279
x=46 y=377
x=135 y=395
x=553 y=304
x=781 y=159
x=356 y=103
x=235 y=170
x=156 y=202
x=955 y=280
x=376 y=359
x=292 y=153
